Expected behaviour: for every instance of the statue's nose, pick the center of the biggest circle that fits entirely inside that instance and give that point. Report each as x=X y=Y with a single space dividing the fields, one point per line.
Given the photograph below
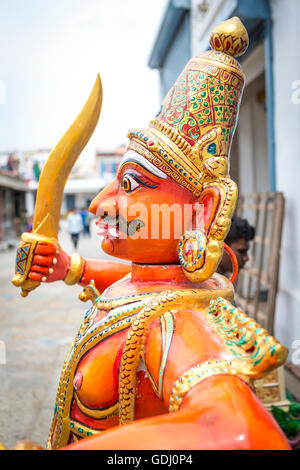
x=105 y=201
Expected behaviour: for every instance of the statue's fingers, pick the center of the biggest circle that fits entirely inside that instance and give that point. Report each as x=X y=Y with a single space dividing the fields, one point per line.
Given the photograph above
x=41 y=260
x=45 y=249
x=35 y=276
x=40 y=269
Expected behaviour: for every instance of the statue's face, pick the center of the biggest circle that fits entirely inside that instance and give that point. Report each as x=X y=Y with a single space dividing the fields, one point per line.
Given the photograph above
x=143 y=213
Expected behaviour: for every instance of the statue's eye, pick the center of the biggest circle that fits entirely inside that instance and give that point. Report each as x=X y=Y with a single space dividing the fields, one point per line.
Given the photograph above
x=212 y=148
x=129 y=184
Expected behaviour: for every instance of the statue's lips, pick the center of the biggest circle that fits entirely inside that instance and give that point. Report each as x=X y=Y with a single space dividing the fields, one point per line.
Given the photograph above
x=107 y=230
x=113 y=227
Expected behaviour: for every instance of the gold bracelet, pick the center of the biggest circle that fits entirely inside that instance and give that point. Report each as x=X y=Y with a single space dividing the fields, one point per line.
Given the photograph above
x=194 y=376
x=75 y=271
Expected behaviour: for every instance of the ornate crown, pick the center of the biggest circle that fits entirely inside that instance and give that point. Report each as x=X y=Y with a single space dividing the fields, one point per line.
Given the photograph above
x=191 y=136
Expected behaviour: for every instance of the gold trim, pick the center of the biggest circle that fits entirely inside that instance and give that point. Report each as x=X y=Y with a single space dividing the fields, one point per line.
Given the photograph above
x=254 y=352
x=225 y=62
x=97 y=413
x=197 y=374
x=75 y=271
x=163 y=164
x=83 y=431
x=167 y=327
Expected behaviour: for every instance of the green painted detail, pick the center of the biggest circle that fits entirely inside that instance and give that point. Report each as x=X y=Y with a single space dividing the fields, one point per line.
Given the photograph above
x=231 y=329
x=256 y=353
x=258 y=361
x=219 y=319
x=242 y=340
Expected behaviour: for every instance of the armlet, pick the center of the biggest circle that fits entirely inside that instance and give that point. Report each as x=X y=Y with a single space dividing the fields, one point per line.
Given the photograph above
x=254 y=351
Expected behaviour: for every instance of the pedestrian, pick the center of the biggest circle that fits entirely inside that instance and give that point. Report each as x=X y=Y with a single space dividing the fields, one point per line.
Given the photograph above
x=238 y=238
x=75 y=226
x=83 y=213
x=86 y=221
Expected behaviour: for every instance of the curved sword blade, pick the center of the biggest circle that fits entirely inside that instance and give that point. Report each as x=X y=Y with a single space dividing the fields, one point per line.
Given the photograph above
x=60 y=163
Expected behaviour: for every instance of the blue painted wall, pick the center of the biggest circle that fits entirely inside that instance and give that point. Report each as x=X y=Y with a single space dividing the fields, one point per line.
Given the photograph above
x=177 y=56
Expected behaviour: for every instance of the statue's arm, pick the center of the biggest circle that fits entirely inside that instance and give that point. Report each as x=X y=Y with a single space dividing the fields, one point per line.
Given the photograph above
x=198 y=385
x=104 y=273
x=221 y=413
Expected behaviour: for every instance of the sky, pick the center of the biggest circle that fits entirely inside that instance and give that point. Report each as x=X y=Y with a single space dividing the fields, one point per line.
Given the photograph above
x=51 y=52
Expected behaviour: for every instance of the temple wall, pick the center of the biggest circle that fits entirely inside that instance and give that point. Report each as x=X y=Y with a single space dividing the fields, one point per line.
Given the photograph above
x=286 y=16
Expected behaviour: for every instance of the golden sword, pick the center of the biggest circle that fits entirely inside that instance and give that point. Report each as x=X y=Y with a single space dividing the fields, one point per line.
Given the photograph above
x=51 y=187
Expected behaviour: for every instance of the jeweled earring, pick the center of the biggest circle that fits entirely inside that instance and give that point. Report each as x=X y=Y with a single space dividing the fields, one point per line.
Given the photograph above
x=191 y=249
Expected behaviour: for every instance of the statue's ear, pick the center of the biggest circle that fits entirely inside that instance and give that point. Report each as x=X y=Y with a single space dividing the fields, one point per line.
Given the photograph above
x=200 y=250
x=209 y=201
x=206 y=209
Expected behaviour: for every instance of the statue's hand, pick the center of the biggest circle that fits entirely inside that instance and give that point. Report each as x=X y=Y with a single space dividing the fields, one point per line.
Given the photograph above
x=50 y=263
x=39 y=259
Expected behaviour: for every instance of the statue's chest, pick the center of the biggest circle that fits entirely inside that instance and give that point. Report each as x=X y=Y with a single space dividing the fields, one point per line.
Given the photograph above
x=96 y=355
x=96 y=376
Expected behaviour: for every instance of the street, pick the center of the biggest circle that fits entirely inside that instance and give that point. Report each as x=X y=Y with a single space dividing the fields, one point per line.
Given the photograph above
x=35 y=335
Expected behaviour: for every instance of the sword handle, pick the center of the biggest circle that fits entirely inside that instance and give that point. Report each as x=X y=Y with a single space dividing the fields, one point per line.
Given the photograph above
x=24 y=257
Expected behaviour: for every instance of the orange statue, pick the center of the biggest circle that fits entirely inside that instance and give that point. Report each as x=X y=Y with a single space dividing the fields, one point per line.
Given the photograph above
x=162 y=360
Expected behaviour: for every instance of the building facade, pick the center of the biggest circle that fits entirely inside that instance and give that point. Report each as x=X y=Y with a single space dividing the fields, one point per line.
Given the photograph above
x=13 y=196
